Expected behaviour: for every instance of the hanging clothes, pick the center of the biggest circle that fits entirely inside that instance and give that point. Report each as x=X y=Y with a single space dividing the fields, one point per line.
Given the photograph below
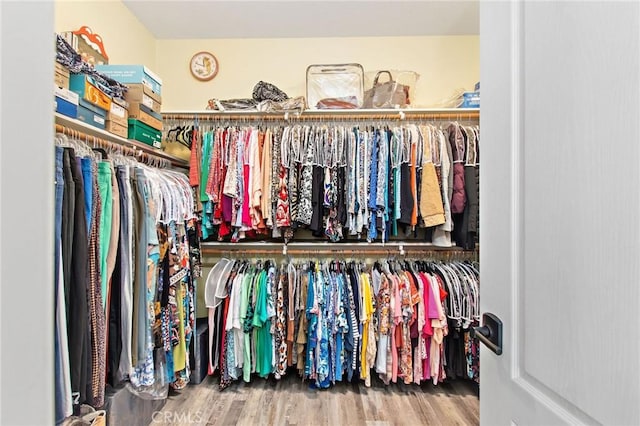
x=400 y=320
x=128 y=251
x=340 y=181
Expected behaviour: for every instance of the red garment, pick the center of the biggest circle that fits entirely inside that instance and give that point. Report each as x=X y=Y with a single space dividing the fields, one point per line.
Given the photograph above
x=194 y=161
x=246 y=216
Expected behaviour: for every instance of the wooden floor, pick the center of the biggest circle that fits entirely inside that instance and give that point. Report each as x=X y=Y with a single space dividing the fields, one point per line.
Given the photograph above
x=291 y=402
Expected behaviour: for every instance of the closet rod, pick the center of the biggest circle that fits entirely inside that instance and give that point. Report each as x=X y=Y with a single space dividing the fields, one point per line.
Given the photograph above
x=94 y=140
x=80 y=130
x=321 y=248
x=326 y=115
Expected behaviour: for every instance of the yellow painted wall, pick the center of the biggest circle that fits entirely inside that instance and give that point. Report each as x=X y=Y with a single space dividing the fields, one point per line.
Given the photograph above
x=445 y=63
x=125 y=39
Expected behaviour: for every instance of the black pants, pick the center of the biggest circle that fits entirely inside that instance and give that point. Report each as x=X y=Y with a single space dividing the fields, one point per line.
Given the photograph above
x=75 y=241
x=68 y=212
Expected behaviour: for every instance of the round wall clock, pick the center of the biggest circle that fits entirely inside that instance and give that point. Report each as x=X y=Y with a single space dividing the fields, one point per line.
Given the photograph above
x=203 y=66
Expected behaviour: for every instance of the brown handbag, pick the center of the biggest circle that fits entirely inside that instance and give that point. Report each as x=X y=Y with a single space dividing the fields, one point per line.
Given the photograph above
x=389 y=94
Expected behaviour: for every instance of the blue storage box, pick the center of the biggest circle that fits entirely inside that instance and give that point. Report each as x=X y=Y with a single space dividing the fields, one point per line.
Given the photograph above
x=470 y=100
x=92 y=114
x=132 y=74
x=65 y=107
x=66 y=102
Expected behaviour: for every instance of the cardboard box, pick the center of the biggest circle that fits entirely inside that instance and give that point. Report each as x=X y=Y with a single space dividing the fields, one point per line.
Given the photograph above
x=120 y=101
x=118 y=114
x=61 y=77
x=132 y=74
x=61 y=69
x=117 y=129
x=146 y=115
x=142 y=94
x=143 y=133
x=84 y=85
x=61 y=81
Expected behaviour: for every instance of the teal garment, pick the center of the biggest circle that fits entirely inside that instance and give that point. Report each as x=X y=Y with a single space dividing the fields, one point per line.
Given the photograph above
x=396 y=206
x=206 y=223
x=106 y=217
x=312 y=324
x=207 y=147
x=325 y=310
x=262 y=326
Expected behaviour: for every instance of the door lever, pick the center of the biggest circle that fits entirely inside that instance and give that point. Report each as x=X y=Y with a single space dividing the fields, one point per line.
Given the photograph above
x=490 y=333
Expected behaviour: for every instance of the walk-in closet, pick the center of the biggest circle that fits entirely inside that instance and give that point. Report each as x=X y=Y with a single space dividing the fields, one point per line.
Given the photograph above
x=274 y=213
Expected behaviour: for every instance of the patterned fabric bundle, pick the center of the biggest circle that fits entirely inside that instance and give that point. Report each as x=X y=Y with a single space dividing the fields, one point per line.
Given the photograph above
x=68 y=57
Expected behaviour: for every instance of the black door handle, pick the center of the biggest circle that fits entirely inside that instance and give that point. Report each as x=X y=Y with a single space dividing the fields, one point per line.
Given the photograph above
x=490 y=333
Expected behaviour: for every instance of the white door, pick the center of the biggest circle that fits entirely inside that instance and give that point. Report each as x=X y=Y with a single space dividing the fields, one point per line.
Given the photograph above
x=560 y=211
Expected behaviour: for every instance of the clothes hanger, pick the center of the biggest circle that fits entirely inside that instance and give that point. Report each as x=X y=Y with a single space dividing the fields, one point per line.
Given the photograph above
x=62 y=140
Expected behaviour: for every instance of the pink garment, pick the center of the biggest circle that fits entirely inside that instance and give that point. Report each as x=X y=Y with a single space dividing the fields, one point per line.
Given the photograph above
x=246 y=217
x=397 y=308
x=427 y=329
x=397 y=320
x=434 y=299
x=439 y=332
x=426 y=362
x=227 y=208
x=394 y=354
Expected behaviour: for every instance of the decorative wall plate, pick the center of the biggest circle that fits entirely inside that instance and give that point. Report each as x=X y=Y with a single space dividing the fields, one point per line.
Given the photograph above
x=203 y=66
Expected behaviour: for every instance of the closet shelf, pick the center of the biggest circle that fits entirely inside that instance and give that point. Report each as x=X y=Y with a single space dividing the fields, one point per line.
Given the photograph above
x=376 y=114
x=88 y=132
x=327 y=248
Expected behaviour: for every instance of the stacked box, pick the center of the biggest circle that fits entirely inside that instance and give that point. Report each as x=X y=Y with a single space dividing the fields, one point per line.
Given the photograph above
x=144 y=106
x=85 y=86
x=144 y=98
x=61 y=76
x=133 y=74
x=145 y=134
x=92 y=114
x=141 y=94
x=66 y=102
x=146 y=115
x=469 y=100
x=93 y=103
x=117 y=118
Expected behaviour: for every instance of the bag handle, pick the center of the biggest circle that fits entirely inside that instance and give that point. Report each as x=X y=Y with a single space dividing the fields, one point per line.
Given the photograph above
x=375 y=80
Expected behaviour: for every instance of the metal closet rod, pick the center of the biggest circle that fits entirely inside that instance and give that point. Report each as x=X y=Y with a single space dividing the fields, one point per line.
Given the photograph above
x=335 y=115
x=103 y=143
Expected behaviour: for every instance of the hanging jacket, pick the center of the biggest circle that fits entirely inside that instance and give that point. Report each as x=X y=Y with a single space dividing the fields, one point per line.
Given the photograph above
x=456 y=140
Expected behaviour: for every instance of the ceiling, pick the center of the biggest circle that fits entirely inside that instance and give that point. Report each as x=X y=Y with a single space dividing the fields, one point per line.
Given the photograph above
x=305 y=18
